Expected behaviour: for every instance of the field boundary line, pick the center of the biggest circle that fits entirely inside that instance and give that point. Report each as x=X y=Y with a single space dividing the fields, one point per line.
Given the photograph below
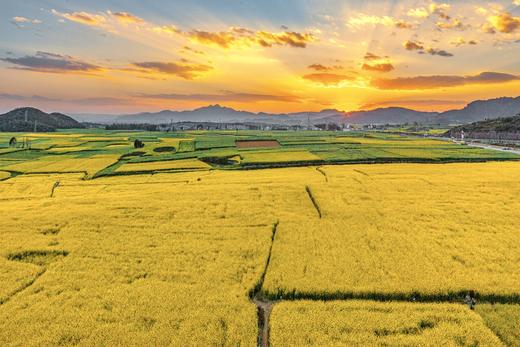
x=449 y=297
x=23 y=287
x=264 y=306
x=321 y=171
x=313 y=200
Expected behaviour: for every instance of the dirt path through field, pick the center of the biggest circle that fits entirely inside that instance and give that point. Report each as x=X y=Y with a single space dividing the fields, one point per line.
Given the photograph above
x=264 y=307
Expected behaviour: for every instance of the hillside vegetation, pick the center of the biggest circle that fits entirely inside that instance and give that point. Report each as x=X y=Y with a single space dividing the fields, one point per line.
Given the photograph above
x=501 y=125
x=32 y=119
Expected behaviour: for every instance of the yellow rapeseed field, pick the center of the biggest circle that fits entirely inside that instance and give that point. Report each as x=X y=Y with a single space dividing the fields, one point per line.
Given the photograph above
x=170 y=258
x=504 y=320
x=65 y=163
x=397 y=230
x=161 y=260
x=365 y=323
x=273 y=157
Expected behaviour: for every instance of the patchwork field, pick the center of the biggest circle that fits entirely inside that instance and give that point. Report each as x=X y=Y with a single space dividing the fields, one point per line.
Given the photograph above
x=175 y=244
x=175 y=258
x=104 y=153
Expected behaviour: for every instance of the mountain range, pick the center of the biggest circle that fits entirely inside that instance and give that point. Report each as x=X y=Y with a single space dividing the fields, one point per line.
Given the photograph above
x=474 y=111
x=23 y=119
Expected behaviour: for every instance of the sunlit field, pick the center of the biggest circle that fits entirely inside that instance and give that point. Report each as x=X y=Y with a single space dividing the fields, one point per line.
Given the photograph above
x=98 y=153
x=177 y=251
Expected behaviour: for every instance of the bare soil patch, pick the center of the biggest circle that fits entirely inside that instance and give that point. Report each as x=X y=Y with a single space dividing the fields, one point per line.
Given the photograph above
x=257 y=144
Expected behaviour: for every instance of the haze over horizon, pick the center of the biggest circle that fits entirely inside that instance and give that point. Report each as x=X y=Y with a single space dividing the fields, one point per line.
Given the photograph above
x=110 y=57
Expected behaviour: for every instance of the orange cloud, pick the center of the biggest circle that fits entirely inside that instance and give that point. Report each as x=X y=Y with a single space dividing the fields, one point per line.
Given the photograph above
x=327 y=79
x=404 y=25
x=459 y=41
x=371 y=56
x=82 y=17
x=418 y=46
x=441 y=81
x=503 y=23
x=455 y=24
x=126 y=18
x=361 y=20
x=378 y=67
x=321 y=67
x=440 y=10
x=413 y=45
x=243 y=36
x=376 y=63
x=181 y=69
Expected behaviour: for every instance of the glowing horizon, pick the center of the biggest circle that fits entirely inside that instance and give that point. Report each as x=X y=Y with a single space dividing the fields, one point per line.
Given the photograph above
x=272 y=57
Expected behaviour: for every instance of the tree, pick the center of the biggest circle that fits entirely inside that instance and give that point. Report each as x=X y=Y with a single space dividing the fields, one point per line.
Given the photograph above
x=138 y=143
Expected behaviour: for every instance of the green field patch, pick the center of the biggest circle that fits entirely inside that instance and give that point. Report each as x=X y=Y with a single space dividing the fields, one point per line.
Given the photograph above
x=188 y=164
x=250 y=157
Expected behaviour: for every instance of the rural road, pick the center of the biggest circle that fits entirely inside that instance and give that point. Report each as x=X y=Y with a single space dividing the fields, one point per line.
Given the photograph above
x=485 y=146
x=492 y=147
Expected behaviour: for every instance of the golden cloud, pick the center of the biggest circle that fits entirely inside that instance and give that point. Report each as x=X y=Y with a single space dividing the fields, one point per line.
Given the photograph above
x=376 y=63
x=371 y=56
x=418 y=46
x=442 y=81
x=440 y=10
x=82 y=17
x=455 y=24
x=321 y=67
x=378 y=67
x=167 y=29
x=503 y=23
x=418 y=12
x=183 y=69
x=327 y=79
x=246 y=37
x=459 y=41
x=361 y=20
x=413 y=45
x=126 y=18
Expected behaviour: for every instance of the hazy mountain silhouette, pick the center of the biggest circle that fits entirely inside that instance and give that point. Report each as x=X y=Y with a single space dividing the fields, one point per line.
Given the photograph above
x=29 y=119
x=477 y=110
x=474 y=111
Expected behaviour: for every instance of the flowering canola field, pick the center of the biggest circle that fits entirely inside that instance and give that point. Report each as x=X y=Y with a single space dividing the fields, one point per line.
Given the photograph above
x=170 y=259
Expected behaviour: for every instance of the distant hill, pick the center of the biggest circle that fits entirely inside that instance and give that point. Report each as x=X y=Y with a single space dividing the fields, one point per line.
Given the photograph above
x=508 y=127
x=481 y=110
x=29 y=119
x=474 y=111
x=391 y=115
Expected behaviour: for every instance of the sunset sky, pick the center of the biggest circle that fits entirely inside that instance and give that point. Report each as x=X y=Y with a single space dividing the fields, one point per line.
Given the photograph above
x=116 y=56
